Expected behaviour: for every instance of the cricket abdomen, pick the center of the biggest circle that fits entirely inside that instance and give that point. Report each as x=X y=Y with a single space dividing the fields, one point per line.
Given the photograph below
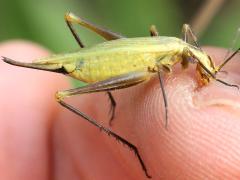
x=102 y=67
x=114 y=58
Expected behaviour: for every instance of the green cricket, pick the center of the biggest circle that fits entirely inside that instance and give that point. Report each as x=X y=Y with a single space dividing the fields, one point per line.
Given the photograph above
x=122 y=62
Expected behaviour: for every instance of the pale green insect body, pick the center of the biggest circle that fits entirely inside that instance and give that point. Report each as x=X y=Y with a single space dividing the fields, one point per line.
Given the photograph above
x=117 y=57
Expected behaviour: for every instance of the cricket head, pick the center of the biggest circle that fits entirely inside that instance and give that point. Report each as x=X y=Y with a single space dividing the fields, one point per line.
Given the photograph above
x=205 y=67
x=207 y=70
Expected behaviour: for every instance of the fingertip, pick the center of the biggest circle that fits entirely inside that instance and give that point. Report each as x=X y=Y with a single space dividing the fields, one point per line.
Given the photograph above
x=27 y=108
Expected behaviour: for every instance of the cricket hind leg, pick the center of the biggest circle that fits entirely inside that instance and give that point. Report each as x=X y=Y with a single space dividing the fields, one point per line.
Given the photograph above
x=73 y=31
x=71 y=18
x=106 y=85
x=108 y=132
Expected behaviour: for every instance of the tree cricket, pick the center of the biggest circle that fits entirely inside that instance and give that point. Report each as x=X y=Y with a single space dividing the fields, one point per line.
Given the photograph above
x=122 y=62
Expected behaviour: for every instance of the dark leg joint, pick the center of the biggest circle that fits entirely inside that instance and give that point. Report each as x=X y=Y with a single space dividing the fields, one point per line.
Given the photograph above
x=112 y=107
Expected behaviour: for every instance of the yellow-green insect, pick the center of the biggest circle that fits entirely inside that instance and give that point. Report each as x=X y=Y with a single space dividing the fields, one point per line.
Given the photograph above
x=123 y=62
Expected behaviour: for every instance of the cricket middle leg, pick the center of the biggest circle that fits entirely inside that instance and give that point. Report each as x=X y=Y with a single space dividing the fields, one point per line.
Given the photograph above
x=154 y=32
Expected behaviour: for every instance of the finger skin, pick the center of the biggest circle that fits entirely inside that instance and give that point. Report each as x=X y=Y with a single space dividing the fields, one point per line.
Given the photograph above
x=201 y=141
x=27 y=109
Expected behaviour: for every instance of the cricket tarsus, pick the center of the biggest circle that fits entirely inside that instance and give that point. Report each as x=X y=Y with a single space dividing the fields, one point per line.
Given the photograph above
x=112 y=107
x=109 y=132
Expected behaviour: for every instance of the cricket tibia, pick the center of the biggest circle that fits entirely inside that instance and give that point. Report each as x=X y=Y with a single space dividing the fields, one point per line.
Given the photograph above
x=53 y=67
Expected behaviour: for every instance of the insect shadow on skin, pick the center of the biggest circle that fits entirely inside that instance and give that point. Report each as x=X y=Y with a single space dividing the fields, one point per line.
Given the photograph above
x=123 y=62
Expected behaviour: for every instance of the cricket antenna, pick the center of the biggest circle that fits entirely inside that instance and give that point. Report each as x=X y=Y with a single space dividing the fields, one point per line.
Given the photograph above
x=227 y=60
x=222 y=65
x=234 y=42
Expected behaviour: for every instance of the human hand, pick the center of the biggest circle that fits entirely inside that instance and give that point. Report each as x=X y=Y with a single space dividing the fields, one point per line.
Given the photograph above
x=41 y=140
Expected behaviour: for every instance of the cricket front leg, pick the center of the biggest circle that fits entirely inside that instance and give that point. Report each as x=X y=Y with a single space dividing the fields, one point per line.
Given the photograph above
x=107 y=85
x=112 y=107
x=188 y=32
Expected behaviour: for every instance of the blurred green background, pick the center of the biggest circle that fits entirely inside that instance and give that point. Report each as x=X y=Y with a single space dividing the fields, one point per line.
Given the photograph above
x=43 y=22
